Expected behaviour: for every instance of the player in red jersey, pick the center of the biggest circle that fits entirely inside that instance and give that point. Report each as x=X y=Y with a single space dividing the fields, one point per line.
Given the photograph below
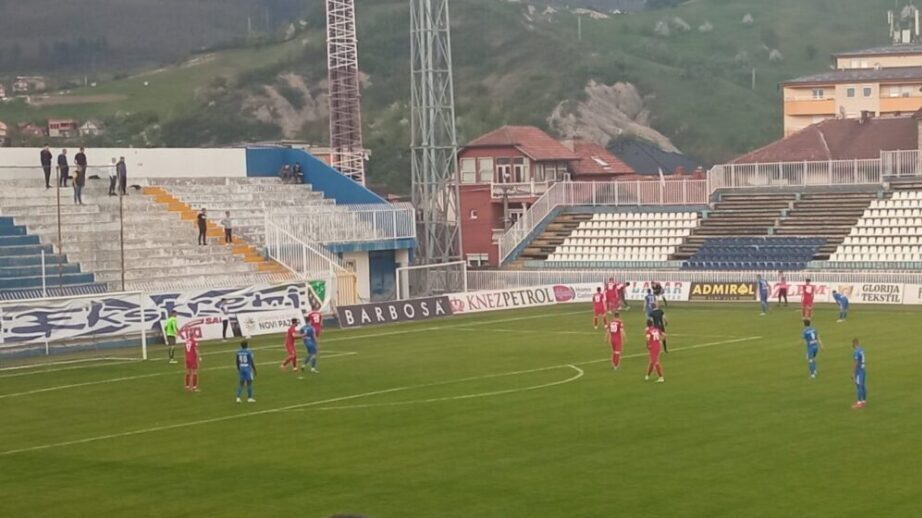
x=654 y=345
x=616 y=339
x=315 y=320
x=598 y=308
x=192 y=360
x=612 y=298
x=622 y=295
x=291 y=352
x=807 y=291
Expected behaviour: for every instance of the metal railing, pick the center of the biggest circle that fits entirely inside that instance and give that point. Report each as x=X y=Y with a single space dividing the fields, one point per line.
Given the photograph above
x=310 y=260
x=795 y=174
x=636 y=193
x=518 y=190
x=478 y=280
x=348 y=223
x=900 y=163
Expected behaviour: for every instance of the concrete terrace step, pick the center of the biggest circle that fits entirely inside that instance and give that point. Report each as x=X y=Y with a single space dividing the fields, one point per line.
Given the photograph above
x=68 y=279
x=166 y=272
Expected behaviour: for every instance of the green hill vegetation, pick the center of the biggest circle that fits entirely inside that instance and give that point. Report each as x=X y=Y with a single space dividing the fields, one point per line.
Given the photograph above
x=513 y=64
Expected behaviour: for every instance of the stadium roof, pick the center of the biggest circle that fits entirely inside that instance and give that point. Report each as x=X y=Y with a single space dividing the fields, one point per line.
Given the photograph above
x=854 y=75
x=839 y=139
x=889 y=50
x=595 y=159
x=530 y=140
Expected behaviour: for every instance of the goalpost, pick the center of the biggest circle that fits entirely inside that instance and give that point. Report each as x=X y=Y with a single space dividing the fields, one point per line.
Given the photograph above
x=431 y=280
x=98 y=327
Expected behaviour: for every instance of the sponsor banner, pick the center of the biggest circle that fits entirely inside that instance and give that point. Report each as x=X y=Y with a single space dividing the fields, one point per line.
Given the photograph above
x=73 y=319
x=111 y=315
x=202 y=328
x=495 y=300
x=724 y=291
x=872 y=293
x=393 y=312
x=912 y=294
x=822 y=292
x=677 y=291
x=269 y=322
x=583 y=292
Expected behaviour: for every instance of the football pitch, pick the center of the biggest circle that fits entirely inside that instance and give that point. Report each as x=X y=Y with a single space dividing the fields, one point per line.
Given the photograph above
x=513 y=414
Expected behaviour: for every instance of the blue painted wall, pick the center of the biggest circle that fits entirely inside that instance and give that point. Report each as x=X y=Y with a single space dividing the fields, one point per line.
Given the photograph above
x=269 y=160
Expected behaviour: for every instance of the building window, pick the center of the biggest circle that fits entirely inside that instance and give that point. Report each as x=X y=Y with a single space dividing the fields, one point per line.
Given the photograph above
x=478 y=260
x=515 y=215
x=474 y=214
x=905 y=91
x=468 y=170
x=503 y=170
x=867 y=91
x=850 y=91
x=486 y=170
x=519 y=170
x=818 y=93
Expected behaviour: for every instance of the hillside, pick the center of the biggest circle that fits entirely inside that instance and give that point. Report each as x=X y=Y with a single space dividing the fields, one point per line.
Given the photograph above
x=42 y=35
x=513 y=64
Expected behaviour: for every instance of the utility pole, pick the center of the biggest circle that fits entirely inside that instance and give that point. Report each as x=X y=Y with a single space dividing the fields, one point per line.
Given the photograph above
x=434 y=145
x=346 y=139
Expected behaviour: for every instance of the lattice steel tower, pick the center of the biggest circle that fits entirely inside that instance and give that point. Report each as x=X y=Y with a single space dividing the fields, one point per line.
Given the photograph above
x=345 y=97
x=434 y=144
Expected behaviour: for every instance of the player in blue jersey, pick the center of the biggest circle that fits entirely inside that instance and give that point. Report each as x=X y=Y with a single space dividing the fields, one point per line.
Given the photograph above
x=764 y=292
x=814 y=346
x=859 y=374
x=246 y=368
x=842 y=301
x=310 y=342
x=649 y=302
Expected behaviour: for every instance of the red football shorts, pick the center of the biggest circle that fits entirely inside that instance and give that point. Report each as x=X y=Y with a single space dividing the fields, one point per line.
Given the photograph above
x=192 y=364
x=616 y=346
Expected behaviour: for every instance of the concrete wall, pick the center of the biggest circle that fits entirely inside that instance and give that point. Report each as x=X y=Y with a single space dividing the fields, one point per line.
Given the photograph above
x=23 y=163
x=362 y=273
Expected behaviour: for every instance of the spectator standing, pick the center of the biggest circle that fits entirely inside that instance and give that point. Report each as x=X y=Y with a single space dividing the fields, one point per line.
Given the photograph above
x=113 y=176
x=122 y=171
x=225 y=319
x=79 y=182
x=226 y=223
x=63 y=168
x=202 y=221
x=46 y=165
x=80 y=160
x=285 y=173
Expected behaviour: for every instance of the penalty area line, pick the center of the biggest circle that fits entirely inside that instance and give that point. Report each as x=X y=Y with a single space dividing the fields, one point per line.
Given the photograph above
x=323 y=402
x=328 y=356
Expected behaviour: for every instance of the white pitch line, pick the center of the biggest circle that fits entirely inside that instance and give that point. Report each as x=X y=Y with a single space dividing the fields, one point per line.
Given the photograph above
x=264 y=347
x=597 y=333
x=324 y=402
x=579 y=374
x=69 y=362
x=329 y=356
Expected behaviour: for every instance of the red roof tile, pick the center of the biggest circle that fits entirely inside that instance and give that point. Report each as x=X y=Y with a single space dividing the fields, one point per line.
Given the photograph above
x=595 y=159
x=839 y=139
x=530 y=140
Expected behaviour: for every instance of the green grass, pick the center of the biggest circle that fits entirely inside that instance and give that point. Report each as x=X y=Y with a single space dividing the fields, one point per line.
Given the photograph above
x=396 y=430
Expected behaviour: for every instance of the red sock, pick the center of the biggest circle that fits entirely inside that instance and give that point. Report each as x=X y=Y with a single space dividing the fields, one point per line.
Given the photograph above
x=616 y=359
x=187 y=381
x=650 y=369
x=195 y=380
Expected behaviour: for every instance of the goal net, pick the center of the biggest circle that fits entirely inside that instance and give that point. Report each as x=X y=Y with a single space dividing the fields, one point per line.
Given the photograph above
x=431 y=280
x=100 y=327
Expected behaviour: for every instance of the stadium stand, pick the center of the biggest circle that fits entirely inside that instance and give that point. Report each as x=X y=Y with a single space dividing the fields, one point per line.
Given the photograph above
x=626 y=236
x=889 y=231
x=553 y=236
x=786 y=230
x=755 y=253
x=830 y=215
x=160 y=249
x=21 y=266
x=246 y=198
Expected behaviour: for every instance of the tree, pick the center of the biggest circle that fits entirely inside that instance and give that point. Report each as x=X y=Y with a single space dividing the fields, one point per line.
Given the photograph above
x=810 y=51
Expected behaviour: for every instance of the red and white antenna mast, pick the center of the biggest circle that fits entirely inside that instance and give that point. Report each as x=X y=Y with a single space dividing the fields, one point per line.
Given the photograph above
x=345 y=98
